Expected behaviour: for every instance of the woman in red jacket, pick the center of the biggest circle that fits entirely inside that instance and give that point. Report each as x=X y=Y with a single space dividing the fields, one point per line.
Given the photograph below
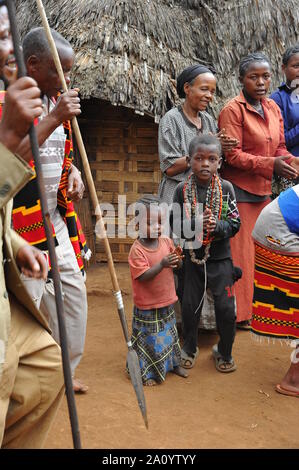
x=257 y=123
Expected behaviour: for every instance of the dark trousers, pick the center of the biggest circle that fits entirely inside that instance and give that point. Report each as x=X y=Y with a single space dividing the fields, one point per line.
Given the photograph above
x=220 y=281
x=180 y=287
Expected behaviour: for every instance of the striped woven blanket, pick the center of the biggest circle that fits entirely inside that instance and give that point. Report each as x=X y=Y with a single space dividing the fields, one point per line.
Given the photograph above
x=276 y=294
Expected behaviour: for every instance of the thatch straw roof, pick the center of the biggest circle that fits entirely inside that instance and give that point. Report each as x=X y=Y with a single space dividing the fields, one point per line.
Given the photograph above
x=129 y=52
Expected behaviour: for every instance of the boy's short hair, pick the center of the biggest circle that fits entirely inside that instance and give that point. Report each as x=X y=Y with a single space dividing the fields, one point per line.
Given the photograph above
x=36 y=43
x=147 y=201
x=203 y=140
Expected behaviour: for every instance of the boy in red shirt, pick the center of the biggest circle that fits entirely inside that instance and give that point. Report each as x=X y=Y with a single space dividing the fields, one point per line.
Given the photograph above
x=152 y=259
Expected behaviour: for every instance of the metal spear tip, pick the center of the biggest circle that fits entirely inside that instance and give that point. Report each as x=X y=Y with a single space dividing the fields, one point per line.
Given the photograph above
x=142 y=407
x=135 y=375
x=145 y=420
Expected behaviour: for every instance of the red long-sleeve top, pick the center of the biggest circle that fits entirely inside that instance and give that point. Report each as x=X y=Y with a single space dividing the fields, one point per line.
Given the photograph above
x=250 y=165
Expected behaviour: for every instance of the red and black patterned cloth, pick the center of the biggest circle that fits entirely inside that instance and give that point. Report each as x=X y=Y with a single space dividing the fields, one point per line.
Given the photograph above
x=27 y=215
x=276 y=294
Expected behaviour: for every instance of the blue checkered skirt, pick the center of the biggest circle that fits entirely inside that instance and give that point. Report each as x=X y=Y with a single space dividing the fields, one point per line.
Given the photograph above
x=156 y=342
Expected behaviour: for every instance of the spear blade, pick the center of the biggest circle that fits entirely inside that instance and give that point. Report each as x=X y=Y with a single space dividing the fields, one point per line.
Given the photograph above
x=132 y=360
x=135 y=375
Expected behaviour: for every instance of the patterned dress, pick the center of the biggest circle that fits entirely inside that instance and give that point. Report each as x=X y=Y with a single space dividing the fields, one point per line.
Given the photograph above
x=154 y=333
x=155 y=339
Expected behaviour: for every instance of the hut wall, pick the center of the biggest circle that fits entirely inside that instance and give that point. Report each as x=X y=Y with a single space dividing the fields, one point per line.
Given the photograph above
x=123 y=154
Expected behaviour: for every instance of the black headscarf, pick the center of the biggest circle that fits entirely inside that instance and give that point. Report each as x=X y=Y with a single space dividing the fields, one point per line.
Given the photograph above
x=188 y=75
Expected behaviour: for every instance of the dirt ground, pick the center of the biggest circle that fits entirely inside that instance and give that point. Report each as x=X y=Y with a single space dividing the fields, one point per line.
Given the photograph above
x=206 y=410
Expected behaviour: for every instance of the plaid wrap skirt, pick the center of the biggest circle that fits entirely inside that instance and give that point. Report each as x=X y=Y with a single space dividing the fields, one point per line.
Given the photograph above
x=156 y=342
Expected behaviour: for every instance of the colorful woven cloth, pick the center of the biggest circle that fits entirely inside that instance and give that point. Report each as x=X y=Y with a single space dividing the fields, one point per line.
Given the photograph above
x=27 y=215
x=155 y=340
x=276 y=294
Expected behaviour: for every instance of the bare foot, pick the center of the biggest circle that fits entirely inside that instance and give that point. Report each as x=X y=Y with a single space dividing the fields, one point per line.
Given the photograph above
x=79 y=387
x=178 y=370
x=290 y=382
x=150 y=383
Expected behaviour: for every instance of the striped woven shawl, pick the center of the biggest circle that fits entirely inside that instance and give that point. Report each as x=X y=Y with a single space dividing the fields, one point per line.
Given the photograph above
x=27 y=215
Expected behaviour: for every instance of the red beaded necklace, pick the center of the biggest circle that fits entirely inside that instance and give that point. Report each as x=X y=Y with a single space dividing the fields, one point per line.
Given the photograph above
x=213 y=202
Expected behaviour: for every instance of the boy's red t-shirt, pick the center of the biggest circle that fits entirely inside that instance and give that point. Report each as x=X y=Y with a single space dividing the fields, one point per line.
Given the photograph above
x=159 y=291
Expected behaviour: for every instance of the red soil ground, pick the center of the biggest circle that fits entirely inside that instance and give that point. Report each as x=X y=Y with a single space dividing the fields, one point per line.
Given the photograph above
x=206 y=410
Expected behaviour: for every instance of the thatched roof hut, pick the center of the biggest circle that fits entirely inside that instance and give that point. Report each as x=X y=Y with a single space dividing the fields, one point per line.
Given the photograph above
x=129 y=52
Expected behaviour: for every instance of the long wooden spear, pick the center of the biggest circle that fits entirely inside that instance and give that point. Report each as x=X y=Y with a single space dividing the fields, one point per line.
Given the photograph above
x=132 y=359
x=50 y=241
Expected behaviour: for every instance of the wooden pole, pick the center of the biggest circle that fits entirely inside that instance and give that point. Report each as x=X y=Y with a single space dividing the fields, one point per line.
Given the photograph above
x=50 y=242
x=81 y=147
x=132 y=359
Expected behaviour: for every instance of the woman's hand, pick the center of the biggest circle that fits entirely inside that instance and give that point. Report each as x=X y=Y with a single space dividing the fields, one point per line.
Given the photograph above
x=227 y=142
x=282 y=168
x=295 y=164
x=181 y=165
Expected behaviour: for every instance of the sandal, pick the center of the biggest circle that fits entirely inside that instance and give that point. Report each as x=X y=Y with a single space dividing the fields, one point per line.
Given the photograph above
x=188 y=361
x=284 y=391
x=221 y=364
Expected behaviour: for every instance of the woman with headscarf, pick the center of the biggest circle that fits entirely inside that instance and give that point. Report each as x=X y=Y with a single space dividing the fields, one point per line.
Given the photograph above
x=257 y=123
x=276 y=278
x=197 y=86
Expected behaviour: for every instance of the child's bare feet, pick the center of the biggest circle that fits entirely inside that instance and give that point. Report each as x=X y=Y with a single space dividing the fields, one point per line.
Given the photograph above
x=178 y=370
x=150 y=383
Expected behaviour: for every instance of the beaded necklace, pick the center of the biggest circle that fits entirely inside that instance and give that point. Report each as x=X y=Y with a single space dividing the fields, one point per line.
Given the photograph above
x=213 y=202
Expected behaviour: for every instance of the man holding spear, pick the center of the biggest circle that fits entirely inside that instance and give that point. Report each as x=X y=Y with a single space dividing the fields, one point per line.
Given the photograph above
x=63 y=183
x=31 y=380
